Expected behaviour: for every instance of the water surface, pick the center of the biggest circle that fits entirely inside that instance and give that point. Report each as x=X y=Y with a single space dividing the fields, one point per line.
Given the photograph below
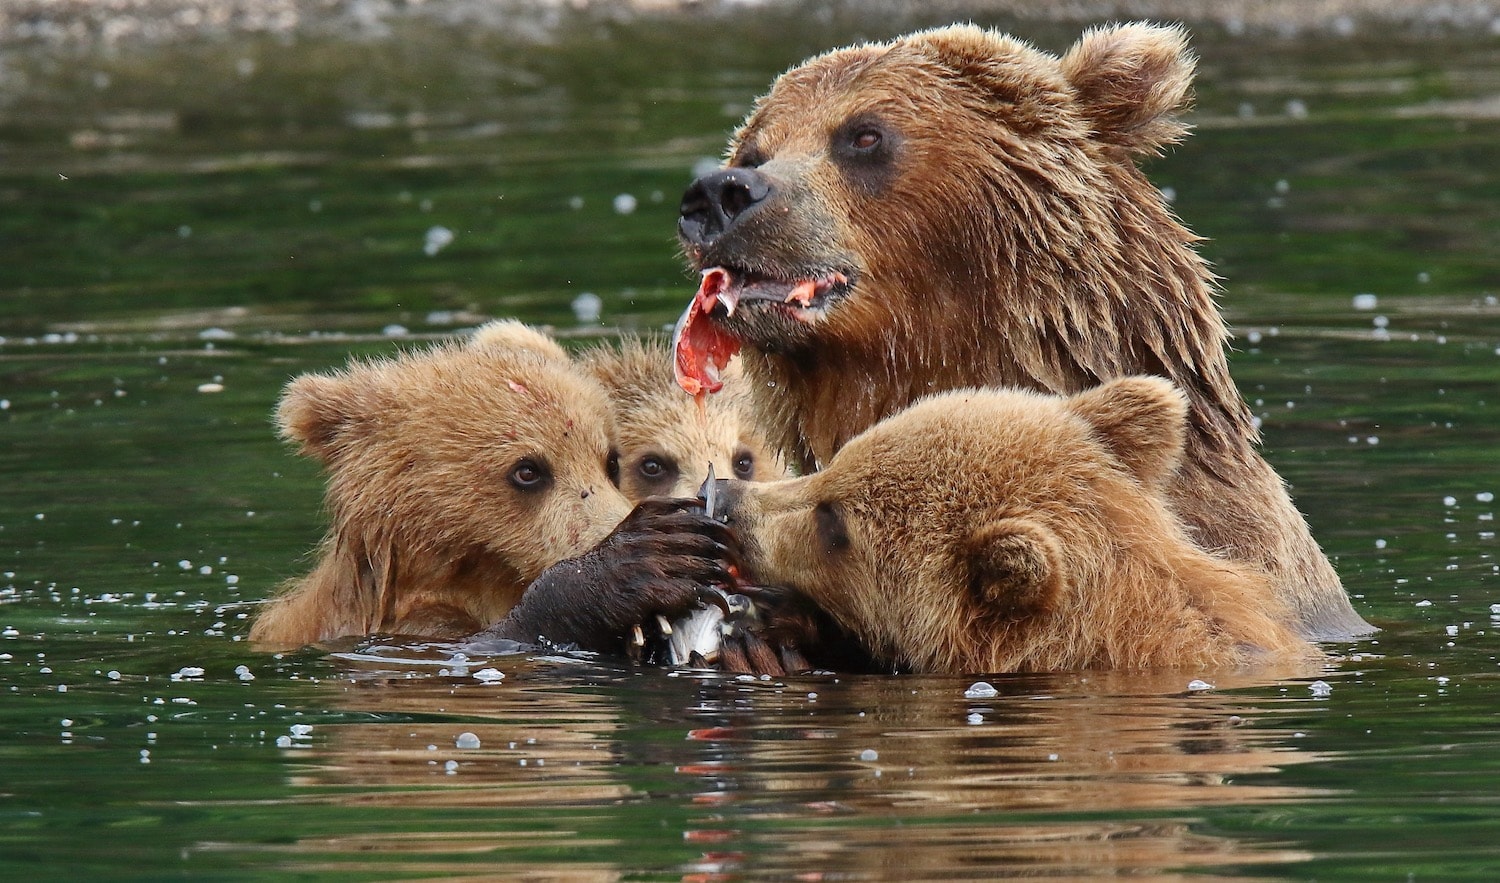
x=185 y=225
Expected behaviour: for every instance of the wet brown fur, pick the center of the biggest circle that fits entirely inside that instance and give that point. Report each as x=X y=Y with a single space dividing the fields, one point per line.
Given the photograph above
x=1001 y=530
x=1009 y=241
x=428 y=535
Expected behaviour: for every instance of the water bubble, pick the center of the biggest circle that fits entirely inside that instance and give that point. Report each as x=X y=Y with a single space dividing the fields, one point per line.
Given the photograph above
x=438 y=238
x=1381 y=322
x=1380 y=544
x=1198 y=686
x=283 y=741
x=244 y=672
x=489 y=675
x=1296 y=109
x=869 y=754
x=706 y=165
x=395 y=330
x=981 y=690
x=1451 y=630
x=113 y=674
x=976 y=718
x=1485 y=497
x=301 y=731
x=624 y=204
x=587 y=307
x=1320 y=689
x=1365 y=301
x=575 y=203
x=1450 y=501
x=187 y=671
x=1423 y=603
x=466 y=740
x=451 y=767
x=210 y=387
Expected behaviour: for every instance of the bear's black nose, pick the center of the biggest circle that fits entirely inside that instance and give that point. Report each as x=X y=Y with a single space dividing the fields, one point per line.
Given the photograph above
x=714 y=201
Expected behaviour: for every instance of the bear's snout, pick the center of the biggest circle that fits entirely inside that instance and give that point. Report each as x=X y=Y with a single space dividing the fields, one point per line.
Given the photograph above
x=713 y=203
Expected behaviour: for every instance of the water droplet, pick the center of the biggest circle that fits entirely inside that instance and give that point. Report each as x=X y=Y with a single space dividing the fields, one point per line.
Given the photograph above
x=869 y=754
x=1320 y=689
x=466 y=740
x=1198 y=686
x=981 y=690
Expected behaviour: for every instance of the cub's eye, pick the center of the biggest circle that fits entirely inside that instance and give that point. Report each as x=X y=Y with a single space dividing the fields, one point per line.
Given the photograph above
x=866 y=140
x=657 y=469
x=652 y=467
x=744 y=466
x=529 y=475
x=612 y=467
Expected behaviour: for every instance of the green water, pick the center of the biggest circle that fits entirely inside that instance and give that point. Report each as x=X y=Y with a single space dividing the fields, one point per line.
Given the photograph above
x=237 y=210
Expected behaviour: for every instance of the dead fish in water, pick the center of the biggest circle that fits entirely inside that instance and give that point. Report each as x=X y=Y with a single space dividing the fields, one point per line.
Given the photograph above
x=694 y=639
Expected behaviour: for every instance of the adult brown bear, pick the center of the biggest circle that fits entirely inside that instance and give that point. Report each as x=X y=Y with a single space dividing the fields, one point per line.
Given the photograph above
x=957 y=208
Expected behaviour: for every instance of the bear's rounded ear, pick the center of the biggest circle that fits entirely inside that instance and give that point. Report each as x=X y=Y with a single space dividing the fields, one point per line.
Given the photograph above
x=1143 y=422
x=316 y=411
x=1132 y=81
x=509 y=335
x=1016 y=567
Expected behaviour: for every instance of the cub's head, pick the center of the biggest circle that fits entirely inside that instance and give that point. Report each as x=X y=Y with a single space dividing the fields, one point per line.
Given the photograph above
x=666 y=439
x=883 y=180
x=499 y=448
x=940 y=527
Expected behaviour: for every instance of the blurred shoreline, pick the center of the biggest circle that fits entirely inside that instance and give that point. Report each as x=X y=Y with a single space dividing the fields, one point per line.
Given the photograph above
x=92 y=24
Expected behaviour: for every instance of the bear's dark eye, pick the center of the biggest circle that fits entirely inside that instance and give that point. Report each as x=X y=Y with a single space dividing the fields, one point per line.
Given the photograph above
x=744 y=465
x=612 y=467
x=657 y=469
x=867 y=149
x=529 y=475
x=831 y=528
x=866 y=140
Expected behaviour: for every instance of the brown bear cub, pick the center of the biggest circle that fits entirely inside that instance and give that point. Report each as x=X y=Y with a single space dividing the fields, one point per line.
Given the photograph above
x=460 y=474
x=956 y=208
x=1001 y=530
x=667 y=441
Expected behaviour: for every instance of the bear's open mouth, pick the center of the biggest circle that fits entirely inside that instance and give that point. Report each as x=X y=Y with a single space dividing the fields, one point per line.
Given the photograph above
x=729 y=287
x=701 y=343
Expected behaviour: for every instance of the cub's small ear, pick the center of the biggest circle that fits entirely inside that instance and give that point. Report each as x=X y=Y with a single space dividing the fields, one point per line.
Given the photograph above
x=1143 y=422
x=511 y=335
x=1016 y=567
x=317 y=412
x=1132 y=81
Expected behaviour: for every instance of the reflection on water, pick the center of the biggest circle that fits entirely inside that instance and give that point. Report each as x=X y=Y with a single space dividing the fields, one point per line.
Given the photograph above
x=1059 y=775
x=184 y=225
